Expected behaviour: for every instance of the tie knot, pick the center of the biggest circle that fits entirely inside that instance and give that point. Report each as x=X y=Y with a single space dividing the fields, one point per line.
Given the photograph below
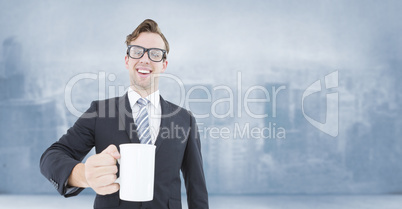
x=142 y=102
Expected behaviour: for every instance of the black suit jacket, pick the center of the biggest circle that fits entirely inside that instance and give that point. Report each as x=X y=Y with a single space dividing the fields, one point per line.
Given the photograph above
x=110 y=122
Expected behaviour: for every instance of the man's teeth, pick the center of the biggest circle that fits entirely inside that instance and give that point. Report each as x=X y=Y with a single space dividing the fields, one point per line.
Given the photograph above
x=144 y=71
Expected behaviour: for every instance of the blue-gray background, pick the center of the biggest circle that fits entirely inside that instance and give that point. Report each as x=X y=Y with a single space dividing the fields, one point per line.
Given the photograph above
x=45 y=44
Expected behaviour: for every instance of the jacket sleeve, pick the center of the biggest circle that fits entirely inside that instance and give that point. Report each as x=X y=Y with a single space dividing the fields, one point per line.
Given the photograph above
x=60 y=158
x=193 y=172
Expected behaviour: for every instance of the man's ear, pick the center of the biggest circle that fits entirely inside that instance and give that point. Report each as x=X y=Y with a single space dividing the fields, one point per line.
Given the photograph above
x=126 y=62
x=165 y=63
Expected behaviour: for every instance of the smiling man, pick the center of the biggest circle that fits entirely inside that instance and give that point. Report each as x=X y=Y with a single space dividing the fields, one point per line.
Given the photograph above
x=143 y=70
x=109 y=123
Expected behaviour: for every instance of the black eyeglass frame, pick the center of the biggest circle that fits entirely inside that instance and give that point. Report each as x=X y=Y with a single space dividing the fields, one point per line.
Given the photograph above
x=146 y=51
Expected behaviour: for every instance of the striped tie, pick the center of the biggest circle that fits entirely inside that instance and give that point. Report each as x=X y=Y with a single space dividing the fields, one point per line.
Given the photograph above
x=143 y=123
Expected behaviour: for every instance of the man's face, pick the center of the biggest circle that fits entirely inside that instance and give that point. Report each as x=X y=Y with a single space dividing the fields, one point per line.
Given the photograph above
x=144 y=72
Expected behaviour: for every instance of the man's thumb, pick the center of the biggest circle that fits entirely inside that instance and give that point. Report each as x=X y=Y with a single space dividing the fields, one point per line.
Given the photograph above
x=112 y=150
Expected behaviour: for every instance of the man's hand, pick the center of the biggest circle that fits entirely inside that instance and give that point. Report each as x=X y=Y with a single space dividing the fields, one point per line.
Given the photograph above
x=101 y=169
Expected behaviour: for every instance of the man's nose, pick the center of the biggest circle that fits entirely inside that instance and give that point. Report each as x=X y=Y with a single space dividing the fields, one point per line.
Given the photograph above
x=145 y=58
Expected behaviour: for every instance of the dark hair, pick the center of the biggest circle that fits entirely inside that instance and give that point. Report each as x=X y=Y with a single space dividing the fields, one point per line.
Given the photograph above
x=147 y=25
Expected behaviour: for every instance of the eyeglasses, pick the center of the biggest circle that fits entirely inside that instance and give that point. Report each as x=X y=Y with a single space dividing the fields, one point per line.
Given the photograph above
x=154 y=54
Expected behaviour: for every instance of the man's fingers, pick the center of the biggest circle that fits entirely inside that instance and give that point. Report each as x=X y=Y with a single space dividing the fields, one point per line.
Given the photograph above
x=105 y=160
x=112 y=150
x=110 y=189
x=103 y=170
x=101 y=159
x=105 y=180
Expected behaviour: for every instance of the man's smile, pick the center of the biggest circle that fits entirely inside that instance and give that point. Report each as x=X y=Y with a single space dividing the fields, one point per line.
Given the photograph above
x=143 y=71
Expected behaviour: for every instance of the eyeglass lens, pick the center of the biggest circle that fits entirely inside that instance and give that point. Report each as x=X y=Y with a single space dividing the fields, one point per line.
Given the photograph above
x=137 y=52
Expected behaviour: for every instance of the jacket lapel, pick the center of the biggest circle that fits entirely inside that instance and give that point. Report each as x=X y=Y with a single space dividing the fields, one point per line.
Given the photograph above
x=126 y=121
x=166 y=120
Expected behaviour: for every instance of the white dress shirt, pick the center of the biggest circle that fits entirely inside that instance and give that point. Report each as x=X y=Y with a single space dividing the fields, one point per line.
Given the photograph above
x=153 y=108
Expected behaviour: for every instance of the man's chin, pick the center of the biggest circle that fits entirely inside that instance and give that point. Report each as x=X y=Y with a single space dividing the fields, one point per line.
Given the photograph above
x=144 y=87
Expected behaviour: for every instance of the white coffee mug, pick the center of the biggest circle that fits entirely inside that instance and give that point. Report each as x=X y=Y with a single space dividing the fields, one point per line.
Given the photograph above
x=137 y=168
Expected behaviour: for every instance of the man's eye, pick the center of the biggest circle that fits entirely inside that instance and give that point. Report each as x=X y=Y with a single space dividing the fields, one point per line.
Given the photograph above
x=155 y=54
x=138 y=52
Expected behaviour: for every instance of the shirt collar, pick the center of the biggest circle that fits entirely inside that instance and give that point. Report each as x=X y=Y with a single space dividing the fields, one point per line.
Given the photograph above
x=133 y=97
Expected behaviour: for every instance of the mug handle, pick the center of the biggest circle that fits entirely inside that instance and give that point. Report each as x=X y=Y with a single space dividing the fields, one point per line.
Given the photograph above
x=118 y=179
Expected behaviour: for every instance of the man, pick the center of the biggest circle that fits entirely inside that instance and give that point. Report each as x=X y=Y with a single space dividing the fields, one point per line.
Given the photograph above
x=111 y=122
